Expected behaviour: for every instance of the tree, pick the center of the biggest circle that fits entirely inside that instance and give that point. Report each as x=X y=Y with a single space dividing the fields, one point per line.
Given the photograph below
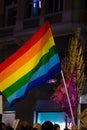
x=75 y=59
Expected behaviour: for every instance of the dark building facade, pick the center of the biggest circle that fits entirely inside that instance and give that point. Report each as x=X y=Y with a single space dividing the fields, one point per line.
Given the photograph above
x=19 y=19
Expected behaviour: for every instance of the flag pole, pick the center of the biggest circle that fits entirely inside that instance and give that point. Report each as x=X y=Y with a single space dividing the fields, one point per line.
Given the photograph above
x=68 y=98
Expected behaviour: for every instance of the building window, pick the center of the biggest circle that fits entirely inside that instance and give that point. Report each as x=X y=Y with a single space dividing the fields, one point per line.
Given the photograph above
x=85 y=4
x=10 y=18
x=55 y=6
x=9 y=2
x=32 y=8
x=10 y=12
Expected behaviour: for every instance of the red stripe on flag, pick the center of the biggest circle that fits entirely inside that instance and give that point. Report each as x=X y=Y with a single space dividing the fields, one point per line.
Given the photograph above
x=26 y=46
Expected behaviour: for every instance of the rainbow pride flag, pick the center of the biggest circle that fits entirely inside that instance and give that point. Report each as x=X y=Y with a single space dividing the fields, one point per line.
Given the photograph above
x=30 y=66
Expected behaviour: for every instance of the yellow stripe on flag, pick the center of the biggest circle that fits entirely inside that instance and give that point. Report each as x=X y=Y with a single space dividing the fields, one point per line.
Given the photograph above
x=27 y=67
x=26 y=57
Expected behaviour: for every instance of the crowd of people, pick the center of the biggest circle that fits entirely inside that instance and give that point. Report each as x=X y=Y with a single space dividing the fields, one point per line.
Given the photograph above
x=47 y=125
x=24 y=125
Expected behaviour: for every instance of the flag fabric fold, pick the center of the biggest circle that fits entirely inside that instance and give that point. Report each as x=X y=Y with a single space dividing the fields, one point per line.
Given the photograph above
x=30 y=66
x=59 y=96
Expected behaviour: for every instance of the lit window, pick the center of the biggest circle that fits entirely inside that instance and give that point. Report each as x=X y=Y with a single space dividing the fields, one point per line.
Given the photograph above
x=33 y=8
x=39 y=3
x=34 y=5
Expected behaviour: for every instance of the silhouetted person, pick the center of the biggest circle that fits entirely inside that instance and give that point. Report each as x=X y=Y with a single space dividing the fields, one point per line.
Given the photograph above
x=2 y=126
x=47 y=125
x=56 y=127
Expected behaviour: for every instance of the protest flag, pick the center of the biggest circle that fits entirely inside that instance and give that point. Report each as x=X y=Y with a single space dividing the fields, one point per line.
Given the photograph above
x=30 y=66
x=60 y=95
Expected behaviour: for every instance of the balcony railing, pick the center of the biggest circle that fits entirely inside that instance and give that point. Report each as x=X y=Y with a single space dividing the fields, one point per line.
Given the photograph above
x=56 y=18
